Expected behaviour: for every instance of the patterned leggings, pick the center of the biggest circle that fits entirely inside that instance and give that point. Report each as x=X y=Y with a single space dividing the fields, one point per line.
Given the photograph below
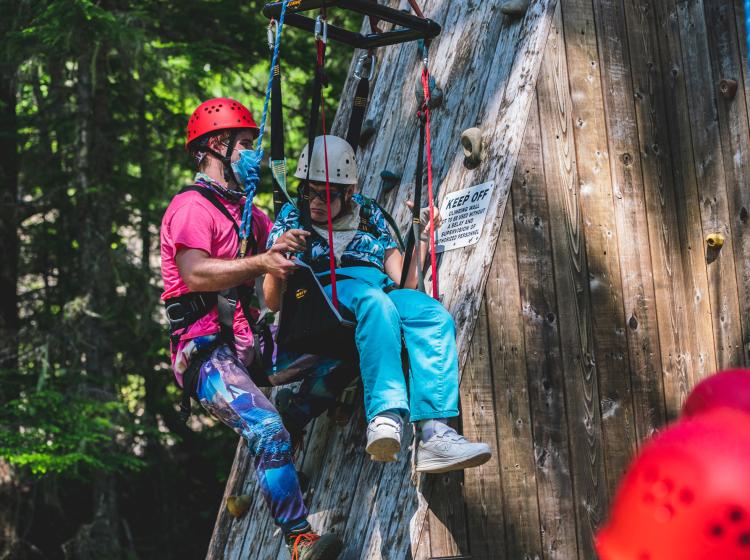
x=226 y=390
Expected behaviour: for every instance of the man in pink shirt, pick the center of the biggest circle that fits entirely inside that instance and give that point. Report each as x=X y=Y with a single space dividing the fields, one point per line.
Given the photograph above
x=220 y=353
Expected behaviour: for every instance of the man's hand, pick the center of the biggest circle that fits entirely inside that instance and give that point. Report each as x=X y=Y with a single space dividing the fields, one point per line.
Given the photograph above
x=276 y=263
x=424 y=220
x=295 y=240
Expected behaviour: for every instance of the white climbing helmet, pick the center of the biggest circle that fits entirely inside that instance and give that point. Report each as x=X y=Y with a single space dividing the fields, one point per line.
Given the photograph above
x=342 y=165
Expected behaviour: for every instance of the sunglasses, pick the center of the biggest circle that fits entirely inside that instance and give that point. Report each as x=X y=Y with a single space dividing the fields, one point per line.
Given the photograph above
x=335 y=194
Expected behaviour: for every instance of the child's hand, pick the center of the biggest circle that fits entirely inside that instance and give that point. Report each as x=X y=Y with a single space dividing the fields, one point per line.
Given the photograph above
x=424 y=220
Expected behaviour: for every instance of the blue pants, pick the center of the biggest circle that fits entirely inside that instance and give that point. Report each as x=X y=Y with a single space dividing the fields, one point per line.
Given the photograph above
x=430 y=338
x=226 y=390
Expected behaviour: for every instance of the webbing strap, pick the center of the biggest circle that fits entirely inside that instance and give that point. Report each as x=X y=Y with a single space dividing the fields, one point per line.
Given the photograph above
x=209 y=195
x=331 y=253
x=278 y=159
x=359 y=106
x=430 y=194
x=415 y=213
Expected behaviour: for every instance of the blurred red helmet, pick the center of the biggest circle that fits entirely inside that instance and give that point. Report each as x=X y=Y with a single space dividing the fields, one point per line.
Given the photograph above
x=686 y=496
x=730 y=388
x=218 y=114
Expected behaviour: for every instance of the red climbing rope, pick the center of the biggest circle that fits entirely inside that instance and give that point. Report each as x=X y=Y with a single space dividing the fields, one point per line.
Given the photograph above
x=430 y=200
x=331 y=254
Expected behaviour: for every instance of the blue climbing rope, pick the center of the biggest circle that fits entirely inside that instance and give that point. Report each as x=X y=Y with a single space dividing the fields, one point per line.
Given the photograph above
x=251 y=165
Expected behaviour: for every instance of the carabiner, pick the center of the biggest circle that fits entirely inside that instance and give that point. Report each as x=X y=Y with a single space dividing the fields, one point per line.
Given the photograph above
x=271 y=33
x=361 y=61
x=425 y=48
x=321 y=29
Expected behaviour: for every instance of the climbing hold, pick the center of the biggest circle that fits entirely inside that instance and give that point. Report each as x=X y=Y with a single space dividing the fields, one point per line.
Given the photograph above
x=728 y=88
x=369 y=127
x=238 y=505
x=436 y=94
x=390 y=179
x=715 y=240
x=515 y=8
x=471 y=140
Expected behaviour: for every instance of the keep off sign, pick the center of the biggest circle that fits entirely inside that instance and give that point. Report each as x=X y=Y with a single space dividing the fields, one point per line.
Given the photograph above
x=463 y=215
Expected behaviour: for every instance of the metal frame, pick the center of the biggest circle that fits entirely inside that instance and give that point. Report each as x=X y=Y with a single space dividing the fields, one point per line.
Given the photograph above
x=412 y=27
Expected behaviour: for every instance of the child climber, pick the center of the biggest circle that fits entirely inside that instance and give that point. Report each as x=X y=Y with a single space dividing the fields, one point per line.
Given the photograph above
x=365 y=250
x=216 y=355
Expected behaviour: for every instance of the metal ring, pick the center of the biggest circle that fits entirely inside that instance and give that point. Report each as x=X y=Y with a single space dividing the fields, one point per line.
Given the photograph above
x=361 y=65
x=271 y=33
x=321 y=29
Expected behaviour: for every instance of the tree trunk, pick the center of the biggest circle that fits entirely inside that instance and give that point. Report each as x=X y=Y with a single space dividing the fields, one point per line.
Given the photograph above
x=100 y=538
x=9 y=215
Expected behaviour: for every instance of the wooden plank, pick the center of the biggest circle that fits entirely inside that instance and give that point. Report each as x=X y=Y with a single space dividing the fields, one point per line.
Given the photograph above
x=539 y=516
x=726 y=63
x=686 y=201
x=739 y=13
x=575 y=315
x=707 y=156
x=484 y=496
x=593 y=177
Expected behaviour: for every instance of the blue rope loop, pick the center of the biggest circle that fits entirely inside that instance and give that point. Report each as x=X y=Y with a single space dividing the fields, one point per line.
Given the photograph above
x=252 y=160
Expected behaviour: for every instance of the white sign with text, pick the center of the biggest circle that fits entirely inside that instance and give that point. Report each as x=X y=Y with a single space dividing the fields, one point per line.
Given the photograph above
x=463 y=215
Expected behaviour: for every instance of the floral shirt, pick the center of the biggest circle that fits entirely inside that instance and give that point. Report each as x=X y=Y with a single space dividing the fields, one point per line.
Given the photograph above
x=368 y=247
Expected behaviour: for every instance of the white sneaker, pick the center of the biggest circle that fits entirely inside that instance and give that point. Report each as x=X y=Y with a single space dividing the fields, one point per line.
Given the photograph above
x=383 y=439
x=447 y=451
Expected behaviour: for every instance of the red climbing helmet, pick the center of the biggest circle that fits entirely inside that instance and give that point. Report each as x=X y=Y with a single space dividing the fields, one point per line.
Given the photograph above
x=218 y=114
x=730 y=388
x=687 y=495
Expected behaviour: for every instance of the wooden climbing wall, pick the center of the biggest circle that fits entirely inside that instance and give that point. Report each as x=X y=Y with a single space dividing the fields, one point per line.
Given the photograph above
x=603 y=304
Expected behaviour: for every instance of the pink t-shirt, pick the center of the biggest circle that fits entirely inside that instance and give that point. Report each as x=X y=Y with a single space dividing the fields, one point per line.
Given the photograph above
x=192 y=222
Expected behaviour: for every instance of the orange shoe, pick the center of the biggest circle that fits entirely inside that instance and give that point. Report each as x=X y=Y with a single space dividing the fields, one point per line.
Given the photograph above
x=311 y=546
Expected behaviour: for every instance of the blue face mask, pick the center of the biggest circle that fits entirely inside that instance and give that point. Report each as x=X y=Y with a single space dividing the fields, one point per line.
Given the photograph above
x=247 y=171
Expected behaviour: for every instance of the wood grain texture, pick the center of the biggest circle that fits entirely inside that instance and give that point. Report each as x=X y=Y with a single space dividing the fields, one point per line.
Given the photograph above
x=726 y=63
x=711 y=178
x=483 y=491
x=529 y=391
x=639 y=183
x=575 y=324
x=587 y=123
x=686 y=202
x=680 y=347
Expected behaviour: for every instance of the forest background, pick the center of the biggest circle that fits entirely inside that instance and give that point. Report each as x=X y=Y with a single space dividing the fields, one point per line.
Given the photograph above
x=94 y=98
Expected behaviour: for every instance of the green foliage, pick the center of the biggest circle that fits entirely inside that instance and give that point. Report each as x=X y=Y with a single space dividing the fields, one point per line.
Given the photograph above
x=48 y=432
x=103 y=92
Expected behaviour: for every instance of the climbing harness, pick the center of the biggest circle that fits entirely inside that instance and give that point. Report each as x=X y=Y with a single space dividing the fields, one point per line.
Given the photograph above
x=311 y=322
x=183 y=311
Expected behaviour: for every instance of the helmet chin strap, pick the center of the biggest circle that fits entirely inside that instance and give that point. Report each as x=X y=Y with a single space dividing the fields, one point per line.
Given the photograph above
x=226 y=159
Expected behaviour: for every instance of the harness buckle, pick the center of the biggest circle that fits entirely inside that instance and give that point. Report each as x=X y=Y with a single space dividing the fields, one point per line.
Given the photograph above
x=175 y=323
x=361 y=62
x=321 y=29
